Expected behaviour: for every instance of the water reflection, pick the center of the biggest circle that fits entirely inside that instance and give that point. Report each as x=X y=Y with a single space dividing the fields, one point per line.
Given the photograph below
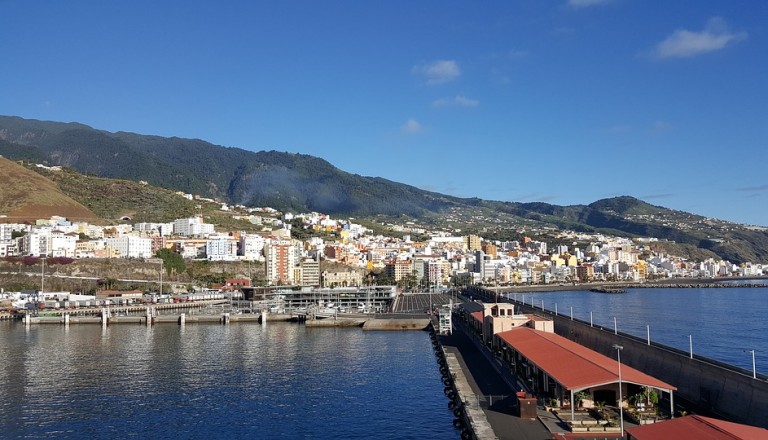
x=208 y=380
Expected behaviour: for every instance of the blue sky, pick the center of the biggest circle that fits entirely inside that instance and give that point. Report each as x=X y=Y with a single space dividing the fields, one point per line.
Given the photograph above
x=561 y=101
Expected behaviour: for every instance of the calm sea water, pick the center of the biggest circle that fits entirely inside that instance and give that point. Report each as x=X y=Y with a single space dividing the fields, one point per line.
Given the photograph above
x=213 y=381
x=725 y=324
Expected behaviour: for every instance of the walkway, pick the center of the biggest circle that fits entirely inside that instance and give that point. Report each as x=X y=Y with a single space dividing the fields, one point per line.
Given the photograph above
x=485 y=381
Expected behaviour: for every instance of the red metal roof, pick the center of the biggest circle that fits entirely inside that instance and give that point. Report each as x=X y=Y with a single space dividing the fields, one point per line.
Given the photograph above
x=574 y=366
x=477 y=315
x=698 y=427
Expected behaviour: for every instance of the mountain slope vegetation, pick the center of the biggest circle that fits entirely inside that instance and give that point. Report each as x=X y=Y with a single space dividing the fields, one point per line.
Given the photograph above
x=298 y=182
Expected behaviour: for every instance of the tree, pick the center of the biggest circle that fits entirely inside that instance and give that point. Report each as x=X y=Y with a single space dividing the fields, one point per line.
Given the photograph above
x=108 y=283
x=172 y=262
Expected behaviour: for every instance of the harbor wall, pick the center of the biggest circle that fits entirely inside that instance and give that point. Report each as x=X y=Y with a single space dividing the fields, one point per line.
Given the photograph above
x=726 y=391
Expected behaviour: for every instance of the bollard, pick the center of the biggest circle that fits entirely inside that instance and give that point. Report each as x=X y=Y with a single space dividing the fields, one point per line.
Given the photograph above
x=182 y=319
x=263 y=317
x=149 y=316
x=104 y=317
x=28 y=319
x=225 y=318
x=66 y=319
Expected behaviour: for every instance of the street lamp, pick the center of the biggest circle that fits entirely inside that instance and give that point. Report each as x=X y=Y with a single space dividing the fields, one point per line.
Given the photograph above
x=42 y=275
x=161 y=277
x=754 y=370
x=621 y=408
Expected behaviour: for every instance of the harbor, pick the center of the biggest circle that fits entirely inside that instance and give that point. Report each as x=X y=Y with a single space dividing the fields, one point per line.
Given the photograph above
x=484 y=392
x=371 y=309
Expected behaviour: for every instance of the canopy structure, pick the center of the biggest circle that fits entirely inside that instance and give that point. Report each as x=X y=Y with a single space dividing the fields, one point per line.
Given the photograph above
x=574 y=366
x=698 y=427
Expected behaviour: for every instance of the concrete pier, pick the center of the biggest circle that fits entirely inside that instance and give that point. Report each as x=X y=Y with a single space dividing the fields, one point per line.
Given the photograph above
x=473 y=414
x=150 y=318
x=330 y=322
x=397 y=324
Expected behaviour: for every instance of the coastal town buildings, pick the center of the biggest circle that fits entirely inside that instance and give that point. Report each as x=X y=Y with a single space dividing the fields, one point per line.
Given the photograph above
x=280 y=260
x=438 y=259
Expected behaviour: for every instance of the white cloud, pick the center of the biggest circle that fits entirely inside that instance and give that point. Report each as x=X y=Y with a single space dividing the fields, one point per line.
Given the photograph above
x=438 y=72
x=586 y=3
x=684 y=43
x=412 y=127
x=458 y=101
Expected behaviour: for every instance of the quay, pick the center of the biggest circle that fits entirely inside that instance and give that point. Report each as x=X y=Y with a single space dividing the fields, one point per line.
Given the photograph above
x=704 y=386
x=150 y=317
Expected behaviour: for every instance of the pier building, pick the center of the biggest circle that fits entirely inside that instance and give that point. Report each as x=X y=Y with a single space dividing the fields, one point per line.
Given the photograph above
x=291 y=299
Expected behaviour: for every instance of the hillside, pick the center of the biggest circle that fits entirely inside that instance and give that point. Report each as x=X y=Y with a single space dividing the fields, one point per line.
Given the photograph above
x=297 y=182
x=281 y=180
x=27 y=196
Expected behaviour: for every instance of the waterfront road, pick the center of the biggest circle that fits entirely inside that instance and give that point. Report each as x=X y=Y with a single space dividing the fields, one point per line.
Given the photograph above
x=485 y=381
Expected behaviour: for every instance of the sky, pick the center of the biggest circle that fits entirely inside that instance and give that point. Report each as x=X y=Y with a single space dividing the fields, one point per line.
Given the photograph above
x=557 y=101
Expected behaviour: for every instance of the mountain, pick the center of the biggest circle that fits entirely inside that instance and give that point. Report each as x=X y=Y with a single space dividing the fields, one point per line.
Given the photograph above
x=27 y=196
x=268 y=178
x=297 y=182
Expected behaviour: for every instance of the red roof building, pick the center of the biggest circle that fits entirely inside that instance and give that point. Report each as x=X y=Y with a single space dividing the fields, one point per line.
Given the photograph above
x=561 y=367
x=698 y=427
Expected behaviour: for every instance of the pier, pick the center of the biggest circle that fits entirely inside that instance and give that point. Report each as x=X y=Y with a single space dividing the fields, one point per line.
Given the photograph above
x=705 y=386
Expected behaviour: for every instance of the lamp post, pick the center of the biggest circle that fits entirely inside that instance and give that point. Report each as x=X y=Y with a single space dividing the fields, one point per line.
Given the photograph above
x=42 y=275
x=754 y=370
x=161 y=277
x=621 y=407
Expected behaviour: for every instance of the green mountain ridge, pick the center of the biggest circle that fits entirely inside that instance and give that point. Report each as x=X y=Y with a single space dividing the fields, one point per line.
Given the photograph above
x=298 y=182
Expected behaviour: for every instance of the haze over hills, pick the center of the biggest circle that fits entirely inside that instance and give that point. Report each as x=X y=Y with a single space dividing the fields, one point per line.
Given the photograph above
x=297 y=182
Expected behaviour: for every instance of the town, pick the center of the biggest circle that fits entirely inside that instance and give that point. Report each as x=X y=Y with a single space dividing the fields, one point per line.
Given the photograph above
x=291 y=247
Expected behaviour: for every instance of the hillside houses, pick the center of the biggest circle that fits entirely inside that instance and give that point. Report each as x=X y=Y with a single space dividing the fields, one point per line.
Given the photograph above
x=441 y=259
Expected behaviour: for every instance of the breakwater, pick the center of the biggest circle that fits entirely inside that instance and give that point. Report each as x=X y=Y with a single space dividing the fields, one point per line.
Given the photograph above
x=713 y=285
x=470 y=420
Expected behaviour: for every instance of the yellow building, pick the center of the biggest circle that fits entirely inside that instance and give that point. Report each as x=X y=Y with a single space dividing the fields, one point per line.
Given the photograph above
x=474 y=243
x=642 y=269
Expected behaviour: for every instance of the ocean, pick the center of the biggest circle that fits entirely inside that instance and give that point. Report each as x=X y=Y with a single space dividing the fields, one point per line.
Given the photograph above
x=215 y=381
x=725 y=324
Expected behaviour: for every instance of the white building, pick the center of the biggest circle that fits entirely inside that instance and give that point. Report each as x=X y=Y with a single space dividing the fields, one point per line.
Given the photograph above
x=63 y=244
x=252 y=247
x=37 y=242
x=129 y=246
x=164 y=229
x=221 y=249
x=192 y=227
